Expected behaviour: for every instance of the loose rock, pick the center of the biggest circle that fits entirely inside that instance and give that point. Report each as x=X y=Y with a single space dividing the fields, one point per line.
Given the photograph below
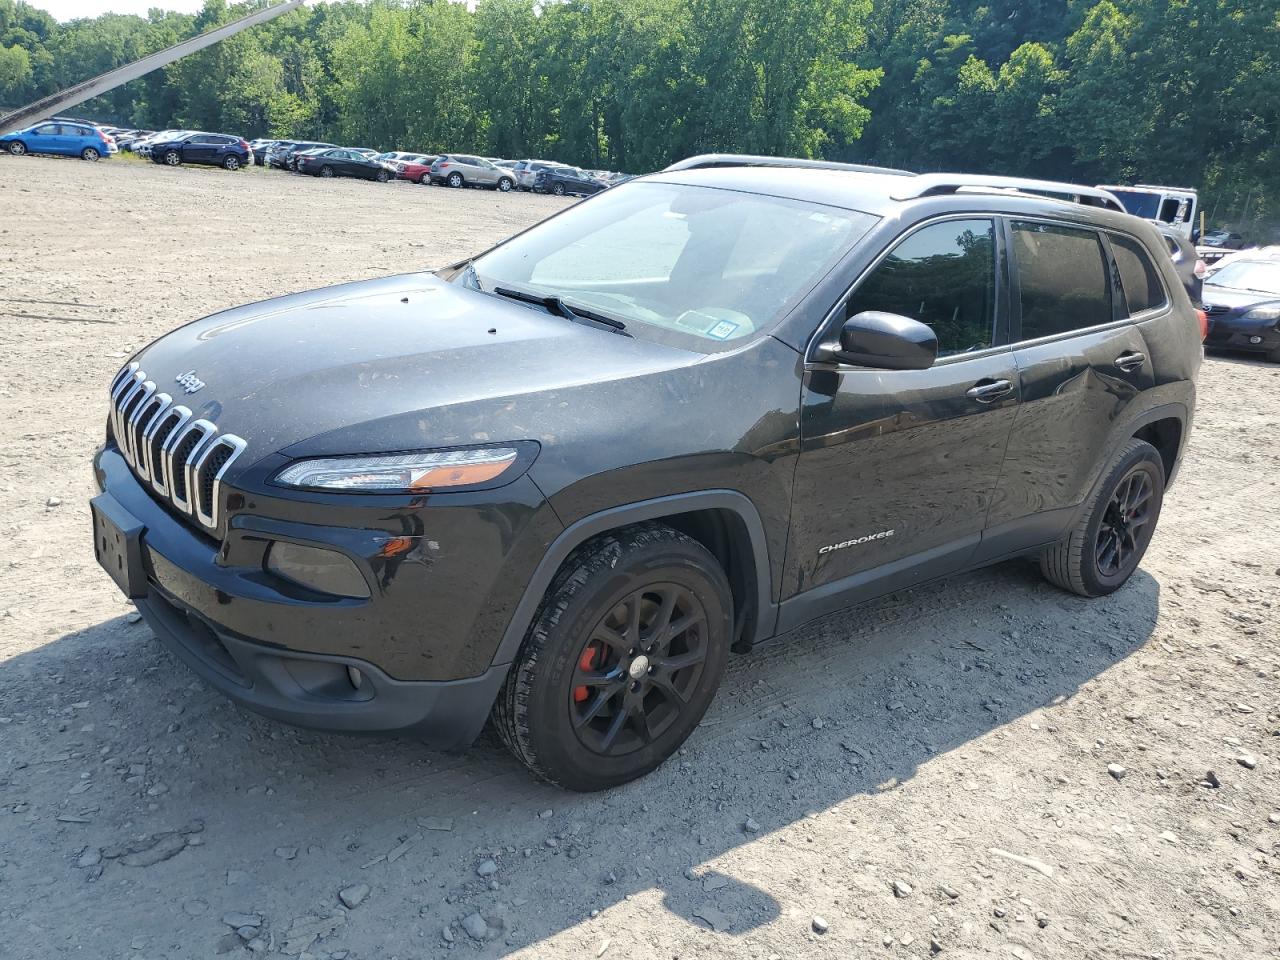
x=475 y=926
x=487 y=868
x=354 y=895
x=1116 y=770
x=820 y=924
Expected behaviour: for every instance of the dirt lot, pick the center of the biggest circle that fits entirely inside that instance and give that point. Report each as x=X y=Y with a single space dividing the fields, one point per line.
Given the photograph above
x=954 y=740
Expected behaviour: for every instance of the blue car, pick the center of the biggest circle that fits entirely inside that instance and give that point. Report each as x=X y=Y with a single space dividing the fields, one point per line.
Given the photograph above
x=1243 y=303
x=59 y=137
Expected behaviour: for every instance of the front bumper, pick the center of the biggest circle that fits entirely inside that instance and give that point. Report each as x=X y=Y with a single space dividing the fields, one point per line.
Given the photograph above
x=1236 y=333
x=423 y=641
x=309 y=690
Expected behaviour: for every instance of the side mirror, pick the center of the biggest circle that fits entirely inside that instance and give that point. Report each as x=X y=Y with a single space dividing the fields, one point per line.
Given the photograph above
x=887 y=341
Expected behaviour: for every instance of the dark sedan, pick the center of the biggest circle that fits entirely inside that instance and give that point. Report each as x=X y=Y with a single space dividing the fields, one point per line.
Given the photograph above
x=1243 y=303
x=341 y=162
x=214 y=149
x=566 y=180
x=287 y=158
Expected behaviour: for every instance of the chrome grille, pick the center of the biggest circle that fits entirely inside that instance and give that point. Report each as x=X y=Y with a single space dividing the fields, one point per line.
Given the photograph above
x=1216 y=310
x=182 y=459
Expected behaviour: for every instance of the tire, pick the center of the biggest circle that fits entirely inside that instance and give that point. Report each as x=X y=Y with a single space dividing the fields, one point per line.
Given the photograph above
x=230 y=162
x=90 y=153
x=505 y=184
x=326 y=171
x=17 y=148
x=172 y=158
x=1106 y=545
x=455 y=179
x=558 y=189
x=381 y=176
x=424 y=180
x=1274 y=355
x=617 y=587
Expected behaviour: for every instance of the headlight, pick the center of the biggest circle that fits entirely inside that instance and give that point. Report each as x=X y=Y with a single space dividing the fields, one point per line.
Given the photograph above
x=401 y=473
x=1269 y=312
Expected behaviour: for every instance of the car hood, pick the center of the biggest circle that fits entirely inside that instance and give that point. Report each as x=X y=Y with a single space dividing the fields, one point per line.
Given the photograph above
x=403 y=362
x=1233 y=298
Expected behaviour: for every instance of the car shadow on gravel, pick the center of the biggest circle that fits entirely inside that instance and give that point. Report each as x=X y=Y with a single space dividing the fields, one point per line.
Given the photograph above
x=853 y=704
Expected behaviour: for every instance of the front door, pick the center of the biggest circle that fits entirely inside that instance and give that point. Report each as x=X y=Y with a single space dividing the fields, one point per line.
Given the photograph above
x=897 y=467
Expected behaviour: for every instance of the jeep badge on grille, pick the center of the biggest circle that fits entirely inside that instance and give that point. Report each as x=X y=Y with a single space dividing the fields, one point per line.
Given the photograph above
x=190 y=382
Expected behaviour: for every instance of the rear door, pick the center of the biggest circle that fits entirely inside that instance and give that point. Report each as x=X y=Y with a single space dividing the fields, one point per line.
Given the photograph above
x=1081 y=364
x=199 y=149
x=897 y=467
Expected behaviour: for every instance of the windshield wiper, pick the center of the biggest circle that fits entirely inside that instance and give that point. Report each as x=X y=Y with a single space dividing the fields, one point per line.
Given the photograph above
x=554 y=304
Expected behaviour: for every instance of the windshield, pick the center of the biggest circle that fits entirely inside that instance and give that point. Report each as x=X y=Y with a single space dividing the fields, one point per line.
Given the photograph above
x=1139 y=203
x=1261 y=276
x=694 y=262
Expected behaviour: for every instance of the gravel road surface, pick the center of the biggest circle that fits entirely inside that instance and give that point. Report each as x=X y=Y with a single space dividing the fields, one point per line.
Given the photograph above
x=980 y=767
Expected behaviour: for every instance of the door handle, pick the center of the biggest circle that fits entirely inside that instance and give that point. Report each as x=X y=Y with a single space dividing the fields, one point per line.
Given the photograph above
x=1130 y=360
x=985 y=391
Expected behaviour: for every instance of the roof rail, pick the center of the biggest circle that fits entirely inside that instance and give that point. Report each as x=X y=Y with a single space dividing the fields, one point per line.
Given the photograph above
x=705 y=160
x=937 y=184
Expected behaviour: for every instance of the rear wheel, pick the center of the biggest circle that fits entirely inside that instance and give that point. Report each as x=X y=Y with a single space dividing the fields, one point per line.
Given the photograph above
x=1108 y=542
x=231 y=162
x=17 y=148
x=90 y=154
x=455 y=179
x=172 y=158
x=622 y=660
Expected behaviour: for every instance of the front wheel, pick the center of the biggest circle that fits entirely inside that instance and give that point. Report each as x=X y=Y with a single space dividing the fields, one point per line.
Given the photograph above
x=231 y=162
x=326 y=171
x=382 y=176
x=172 y=158
x=17 y=148
x=558 y=189
x=622 y=660
x=424 y=180
x=505 y=184
x=1109 y=540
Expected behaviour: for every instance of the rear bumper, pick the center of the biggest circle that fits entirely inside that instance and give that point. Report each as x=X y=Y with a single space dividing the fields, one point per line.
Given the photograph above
x=310 y=690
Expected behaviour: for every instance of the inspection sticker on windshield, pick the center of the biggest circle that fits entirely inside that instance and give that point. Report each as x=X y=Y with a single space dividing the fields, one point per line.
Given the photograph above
x=723 y=330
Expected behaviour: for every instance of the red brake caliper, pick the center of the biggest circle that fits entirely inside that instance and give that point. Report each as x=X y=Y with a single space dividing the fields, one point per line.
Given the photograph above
x=590 y=657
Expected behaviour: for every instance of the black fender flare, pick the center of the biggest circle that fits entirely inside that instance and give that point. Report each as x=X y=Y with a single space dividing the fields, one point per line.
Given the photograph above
x=582 y=530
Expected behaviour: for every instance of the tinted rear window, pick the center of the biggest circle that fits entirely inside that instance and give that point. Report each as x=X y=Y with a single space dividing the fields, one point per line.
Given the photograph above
x=1142 y=287
x=1062 y=277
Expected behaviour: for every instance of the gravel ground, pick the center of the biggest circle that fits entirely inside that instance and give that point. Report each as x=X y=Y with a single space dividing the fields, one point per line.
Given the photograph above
x=979 y=767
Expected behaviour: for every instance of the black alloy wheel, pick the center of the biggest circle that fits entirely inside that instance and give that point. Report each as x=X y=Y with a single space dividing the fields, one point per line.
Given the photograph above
x=1103 y=548
x=638 y=668
x=621 y=661
x=326 y=171
x=1124 y=525
x=558 y=189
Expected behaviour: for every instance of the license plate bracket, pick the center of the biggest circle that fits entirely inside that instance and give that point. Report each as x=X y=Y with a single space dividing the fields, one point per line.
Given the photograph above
x=117 y=543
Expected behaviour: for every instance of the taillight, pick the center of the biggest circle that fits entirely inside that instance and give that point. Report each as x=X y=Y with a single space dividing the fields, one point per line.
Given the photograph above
x=443 y=165
x=1201 y=270
x=1204 y=323
x=244 y=144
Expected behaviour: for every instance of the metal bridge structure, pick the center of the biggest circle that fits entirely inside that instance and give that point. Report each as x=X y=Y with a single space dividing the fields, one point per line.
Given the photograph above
x=64 y=99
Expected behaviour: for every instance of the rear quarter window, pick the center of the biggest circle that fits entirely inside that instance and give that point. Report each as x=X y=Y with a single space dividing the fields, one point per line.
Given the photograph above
x=1142 y=287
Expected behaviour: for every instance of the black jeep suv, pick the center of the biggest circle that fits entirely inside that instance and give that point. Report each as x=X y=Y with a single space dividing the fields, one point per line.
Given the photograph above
x=555 y=484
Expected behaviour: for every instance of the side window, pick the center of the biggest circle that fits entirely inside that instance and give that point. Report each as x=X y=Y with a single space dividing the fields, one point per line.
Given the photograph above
x=1063 y=278
x=1142 y=287
x=49 y=130
x=943 y=275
